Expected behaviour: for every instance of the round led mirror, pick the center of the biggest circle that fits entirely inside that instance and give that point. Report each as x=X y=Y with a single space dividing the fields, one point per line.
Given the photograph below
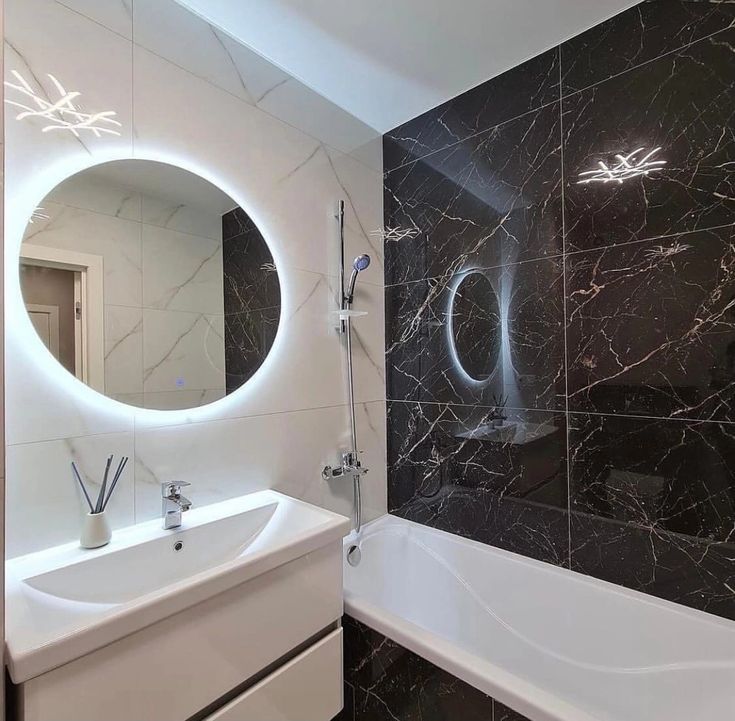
x=475 y=326
x=150 y=285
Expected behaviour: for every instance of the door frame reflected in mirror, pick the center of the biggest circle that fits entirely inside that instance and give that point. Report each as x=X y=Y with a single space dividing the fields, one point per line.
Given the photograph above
x=89 y=313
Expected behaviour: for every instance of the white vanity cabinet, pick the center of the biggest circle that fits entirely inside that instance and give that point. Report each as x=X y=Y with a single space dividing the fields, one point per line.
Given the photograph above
x=308 y=687
x=266 y=649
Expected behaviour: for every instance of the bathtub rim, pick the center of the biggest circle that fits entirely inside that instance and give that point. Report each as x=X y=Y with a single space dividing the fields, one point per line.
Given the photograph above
x=507 y=688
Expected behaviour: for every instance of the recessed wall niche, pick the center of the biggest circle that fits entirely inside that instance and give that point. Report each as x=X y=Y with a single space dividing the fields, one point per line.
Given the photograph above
x=150 y=285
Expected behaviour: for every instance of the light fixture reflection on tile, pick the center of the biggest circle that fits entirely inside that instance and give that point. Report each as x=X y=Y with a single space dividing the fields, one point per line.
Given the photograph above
x=38 y=214
x=394 y=234
x=61 y=114
x=627 y=167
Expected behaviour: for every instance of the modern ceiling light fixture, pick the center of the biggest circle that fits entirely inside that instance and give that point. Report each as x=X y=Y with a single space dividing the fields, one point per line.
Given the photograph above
x=61 y=114
x=628 y=166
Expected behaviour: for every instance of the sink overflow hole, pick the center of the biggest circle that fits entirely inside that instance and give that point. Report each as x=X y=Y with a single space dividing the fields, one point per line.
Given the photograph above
x=178 y=545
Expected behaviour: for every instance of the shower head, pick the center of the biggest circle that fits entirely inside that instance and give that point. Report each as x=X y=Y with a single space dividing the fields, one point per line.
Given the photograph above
x=360 y=263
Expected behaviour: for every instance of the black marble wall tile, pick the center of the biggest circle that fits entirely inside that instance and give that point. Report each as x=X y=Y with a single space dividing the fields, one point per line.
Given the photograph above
x=521 y=89
x=638 y=35
x=695 y=573
x=503 y=713
x=250 y=276
x=430 y=354
x=491 y=199
x=680 y=103
x=348 y=709
x=632 y=283
x=252 y=298
x=390 y=682
x=449 y=468
x=659 y=474
x=249 y=337
x=651 y=327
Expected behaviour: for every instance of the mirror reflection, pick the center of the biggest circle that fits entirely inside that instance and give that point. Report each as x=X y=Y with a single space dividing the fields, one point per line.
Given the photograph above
x=150 y=285
x=476 y=326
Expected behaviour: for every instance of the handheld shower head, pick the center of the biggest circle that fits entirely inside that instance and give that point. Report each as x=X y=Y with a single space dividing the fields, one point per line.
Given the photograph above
x=360 y=263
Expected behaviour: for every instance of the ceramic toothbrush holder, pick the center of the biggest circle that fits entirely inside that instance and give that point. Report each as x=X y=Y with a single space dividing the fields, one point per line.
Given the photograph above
x=95 y=530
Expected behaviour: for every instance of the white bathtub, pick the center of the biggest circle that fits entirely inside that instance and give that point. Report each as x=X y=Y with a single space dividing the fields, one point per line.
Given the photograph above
x=551 y=644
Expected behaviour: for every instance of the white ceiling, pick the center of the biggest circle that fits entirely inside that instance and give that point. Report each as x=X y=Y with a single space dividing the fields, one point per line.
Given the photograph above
x=387 y=61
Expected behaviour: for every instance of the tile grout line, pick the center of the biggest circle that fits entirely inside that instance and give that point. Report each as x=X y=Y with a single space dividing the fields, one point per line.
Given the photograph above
x=561 y=96
x=649 y=61
x=659 y=531
x=132 y=427
x=490 y=128
x=564 y=313
x=348 y=154
x=559 y=411
x=563 y=254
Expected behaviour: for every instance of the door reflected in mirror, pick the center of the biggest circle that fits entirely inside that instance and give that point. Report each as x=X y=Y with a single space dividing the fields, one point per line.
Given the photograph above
x=150 y=285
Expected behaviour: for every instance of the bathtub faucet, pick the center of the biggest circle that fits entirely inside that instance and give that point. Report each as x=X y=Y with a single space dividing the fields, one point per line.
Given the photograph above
x=351 y=466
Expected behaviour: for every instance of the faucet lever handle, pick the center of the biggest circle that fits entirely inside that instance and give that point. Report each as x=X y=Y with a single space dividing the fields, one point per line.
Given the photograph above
x=169 y=488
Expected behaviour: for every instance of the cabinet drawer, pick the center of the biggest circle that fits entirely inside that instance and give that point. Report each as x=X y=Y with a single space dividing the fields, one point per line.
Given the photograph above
x=175 y=668
x=307 y=688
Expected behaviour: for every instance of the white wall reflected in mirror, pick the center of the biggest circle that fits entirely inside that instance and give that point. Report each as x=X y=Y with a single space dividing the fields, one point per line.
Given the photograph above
x=150 y=285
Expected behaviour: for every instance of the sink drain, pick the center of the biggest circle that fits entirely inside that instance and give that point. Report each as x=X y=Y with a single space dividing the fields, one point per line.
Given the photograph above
x=178 y=545
x=354 y=554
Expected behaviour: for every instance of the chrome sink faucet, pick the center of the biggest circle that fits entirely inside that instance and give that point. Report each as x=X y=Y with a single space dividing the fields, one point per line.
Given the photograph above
x=173 y=504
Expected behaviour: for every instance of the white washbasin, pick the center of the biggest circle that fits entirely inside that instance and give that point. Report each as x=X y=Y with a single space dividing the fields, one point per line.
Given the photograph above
x=65 y=602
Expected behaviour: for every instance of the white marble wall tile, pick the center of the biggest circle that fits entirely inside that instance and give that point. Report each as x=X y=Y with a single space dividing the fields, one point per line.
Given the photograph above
x=117 y=15
x=246 y=152
x=218 y=58
x=306 y=366
x=131 y=399
x=184 y=218
x=290 y=417
x=182 y=351
x=45 y=505
x=123 y=350
x=175 y=400
x=362 y=191
x=287 y=182
x=115 y=239
x=222 y=459
x=181 y=271
x=44 y=402
x=190 y=43
x=370 y=154
x=88 y=193
x=305 y=109
x=368 y=344
x=42 y=37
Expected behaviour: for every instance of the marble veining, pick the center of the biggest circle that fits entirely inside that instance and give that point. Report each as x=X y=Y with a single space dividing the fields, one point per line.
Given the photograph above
x=151 y=88
x=252 y=298
x=659 y=474
x=529 y=370
x=493 y=198
x=675 y=567
x=651 y=327
x=524 y=88
x=615 y=377
x=383 y=680
x=680 y=102
x=639 y=35
x=451 y=468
